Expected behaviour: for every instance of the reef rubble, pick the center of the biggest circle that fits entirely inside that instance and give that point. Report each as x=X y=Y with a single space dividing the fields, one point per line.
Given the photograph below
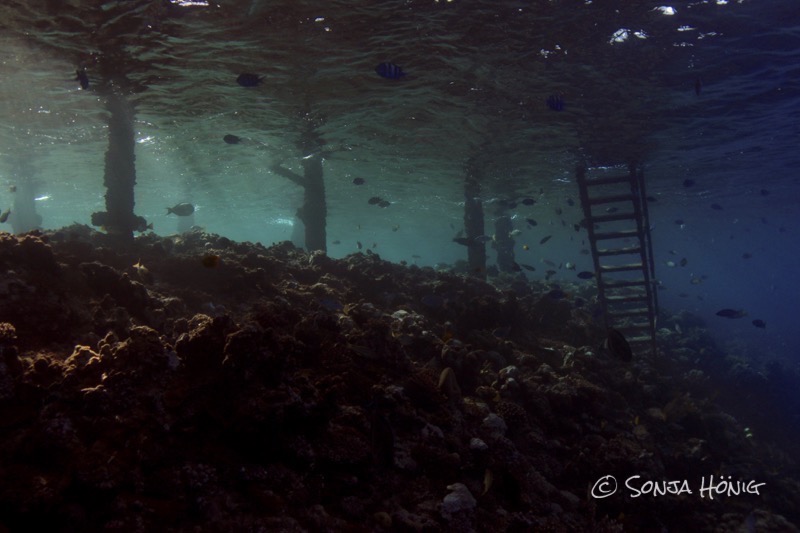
x=193 y=383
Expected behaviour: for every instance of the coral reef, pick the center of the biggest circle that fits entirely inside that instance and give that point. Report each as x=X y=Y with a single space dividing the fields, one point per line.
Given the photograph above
x=195 y=383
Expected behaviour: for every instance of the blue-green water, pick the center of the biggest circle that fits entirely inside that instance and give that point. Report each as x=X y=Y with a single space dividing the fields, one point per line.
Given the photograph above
x=707 y=91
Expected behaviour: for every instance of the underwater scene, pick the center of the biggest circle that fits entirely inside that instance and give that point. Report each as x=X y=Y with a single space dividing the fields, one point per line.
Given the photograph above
x=399 y=266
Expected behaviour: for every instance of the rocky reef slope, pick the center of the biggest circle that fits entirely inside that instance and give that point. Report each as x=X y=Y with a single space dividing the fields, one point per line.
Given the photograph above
x=192 y=383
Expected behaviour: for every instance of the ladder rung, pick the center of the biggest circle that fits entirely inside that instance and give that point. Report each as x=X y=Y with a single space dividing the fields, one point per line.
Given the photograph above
x=615 y=299
x=608 y=181
x=616 y=234
x=620 y=268
x=611 y=199
x=613 y=218
x=629 y=313
x=620 y=251
x=624 y=284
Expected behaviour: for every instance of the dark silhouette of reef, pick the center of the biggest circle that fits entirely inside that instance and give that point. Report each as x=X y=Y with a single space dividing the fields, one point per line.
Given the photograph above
x=192 y=383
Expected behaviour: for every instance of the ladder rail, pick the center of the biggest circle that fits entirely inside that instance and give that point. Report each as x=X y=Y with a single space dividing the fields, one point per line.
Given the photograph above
x=637 y=198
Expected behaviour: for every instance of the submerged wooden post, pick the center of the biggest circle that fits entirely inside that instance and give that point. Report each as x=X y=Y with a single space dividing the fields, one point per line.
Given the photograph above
x=119 y=177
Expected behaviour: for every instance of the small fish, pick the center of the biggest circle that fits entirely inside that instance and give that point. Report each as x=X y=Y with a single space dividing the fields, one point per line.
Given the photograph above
x=545 y=239
x=698 y=86
x=528 y=267
x=182 y=209
x=716 y=207
x=696 y=281
x=570 y=202
x=548 y=262
x=670 y=264
x=482 y=239
x=569 y=266
x=526 y=247
x=211 y=261
x=337 y=241
x=617 y=344
x=4 y=216
x=375 y=200
x=13 y=188
x=528 y=201
x=396 y=227
x=576 y=227
x=384 y=203
x=389 y=71
x=358 y=181
x=731 y=313
x=358 y=243
x=586 y=274
x=747 y=255
x=531 y=222
x=688 y=183
x=679 y=221
x=612 y=209
x=232 y=139
x=515 y=233
x=82 y=77
x=555 y=102
x=559 y=211
x=759 y=323
x=684 y=262
x=463 y=241
x=248 y=79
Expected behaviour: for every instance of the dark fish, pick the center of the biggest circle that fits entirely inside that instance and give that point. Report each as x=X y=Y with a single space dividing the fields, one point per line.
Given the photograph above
x=555 y=102
x=759 y=323
x=586 y=274
x=570 y=202
x=528 y=267
x=211 y=261
x=232 y=139
x=330 y=304
x=679 y=222
x=576 y=227
x=462 y=241
x=528 y=201
x=434 y=301
x=747 y=255
x=764 y=192
x=82 y=77
x=247 y=79
x=182 y=210
x=557 y=294
x=559 y=211
x=337 y=241
x=698 y=86
x=384 y=203
x=4 y=216
x=374 y=200
x=389 y=71
x=502 y=332
x=545 y=239
x=684 y=262
x=358 y=243
x=358 y=181
x=716 y=207
x=617 y=344
x=731 y=313
x=688 y=182
x=515 y=267
x=531 y=221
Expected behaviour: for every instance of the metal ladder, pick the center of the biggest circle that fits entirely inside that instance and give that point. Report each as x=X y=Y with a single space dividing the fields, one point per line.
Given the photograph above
x=616 y=217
